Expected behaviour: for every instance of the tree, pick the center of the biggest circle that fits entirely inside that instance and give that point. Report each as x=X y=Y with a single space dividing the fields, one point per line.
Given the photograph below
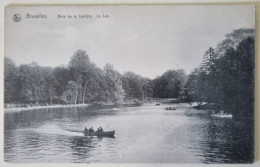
x=33 y=83
x=233 y=39
x=10 y=80
x=70 y=95
x=80 y=67
x=190 y=87
x=114 y=82
x=209 y=76
x=147 y=87
x=237 y=67
x=62 y=77
x=132 y=84
x=197 y=85
x=50 y=85
x=96 y=87
x=226 y=81
x=170 y=84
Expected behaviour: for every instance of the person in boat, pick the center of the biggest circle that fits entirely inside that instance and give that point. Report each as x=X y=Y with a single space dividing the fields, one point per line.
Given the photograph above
x=100 y=129
x=91 y=130
x=85 y=130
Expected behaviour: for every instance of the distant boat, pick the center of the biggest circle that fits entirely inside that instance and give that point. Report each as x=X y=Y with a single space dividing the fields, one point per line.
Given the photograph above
x=157 y=104
x=222 y=115
x=101 y=134
x=170 y=108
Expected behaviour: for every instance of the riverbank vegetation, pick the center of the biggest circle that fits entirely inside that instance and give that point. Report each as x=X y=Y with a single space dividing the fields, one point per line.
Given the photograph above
x=81 y=81
x=225 y=78
x=223 y=81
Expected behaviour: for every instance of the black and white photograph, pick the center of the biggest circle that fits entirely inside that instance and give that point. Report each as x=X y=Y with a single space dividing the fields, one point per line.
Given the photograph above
x=129 y=84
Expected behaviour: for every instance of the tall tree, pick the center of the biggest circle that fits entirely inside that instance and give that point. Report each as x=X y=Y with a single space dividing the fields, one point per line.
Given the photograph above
x=233 y=39
x=147 y=86
x=227 y=81
x=132 y=84
x=80 y=67
x=237 y=69
x=114 y=81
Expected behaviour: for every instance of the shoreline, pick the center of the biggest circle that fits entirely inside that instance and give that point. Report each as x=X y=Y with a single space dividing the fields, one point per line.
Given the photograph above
x=127 y=102
x=44 y=107
x=18 y=109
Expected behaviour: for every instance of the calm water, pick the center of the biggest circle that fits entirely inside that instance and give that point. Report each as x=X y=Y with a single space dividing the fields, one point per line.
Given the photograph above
x=144 y=134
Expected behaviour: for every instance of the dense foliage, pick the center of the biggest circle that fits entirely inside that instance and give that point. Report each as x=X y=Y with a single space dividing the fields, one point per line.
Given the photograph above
x=170 y=84
x=83 y=82
x=225 y=78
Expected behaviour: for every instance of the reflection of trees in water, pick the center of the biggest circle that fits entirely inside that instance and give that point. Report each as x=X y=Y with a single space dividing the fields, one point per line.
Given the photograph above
x=82 y=146
x=227 y=141
x=31 y=117
x=39 y=116
x=86 y=148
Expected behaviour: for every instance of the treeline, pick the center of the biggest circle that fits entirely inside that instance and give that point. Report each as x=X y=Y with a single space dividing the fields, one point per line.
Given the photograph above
x=81 y=81
x=225 y=78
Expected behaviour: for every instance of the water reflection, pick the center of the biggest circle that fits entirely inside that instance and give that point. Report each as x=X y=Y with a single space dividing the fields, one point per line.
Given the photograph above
x=144 y=134
x=31 y=117
x=227 y=141
x=81 y=146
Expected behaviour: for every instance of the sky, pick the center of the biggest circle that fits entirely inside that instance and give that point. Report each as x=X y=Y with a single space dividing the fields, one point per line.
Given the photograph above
x=147 y=40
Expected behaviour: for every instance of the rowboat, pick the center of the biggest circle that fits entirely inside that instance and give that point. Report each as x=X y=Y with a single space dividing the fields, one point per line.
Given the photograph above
x=170 y=108
x=101 y=134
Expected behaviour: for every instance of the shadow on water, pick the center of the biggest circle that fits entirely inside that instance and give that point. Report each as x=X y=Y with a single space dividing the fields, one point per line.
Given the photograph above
x=228 y=141
x=83 y=147
x=26 y=118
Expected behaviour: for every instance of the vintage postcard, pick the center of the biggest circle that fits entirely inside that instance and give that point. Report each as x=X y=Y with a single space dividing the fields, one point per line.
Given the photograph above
x=129 y=84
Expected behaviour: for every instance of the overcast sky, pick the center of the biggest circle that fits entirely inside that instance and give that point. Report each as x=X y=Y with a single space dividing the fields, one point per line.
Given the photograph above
x=147 y=40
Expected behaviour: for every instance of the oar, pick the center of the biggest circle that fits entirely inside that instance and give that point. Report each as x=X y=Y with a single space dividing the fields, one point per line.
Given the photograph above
x=103 y=129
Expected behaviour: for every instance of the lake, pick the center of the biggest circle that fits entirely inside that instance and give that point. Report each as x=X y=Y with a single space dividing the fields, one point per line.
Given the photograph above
x=143 y=134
